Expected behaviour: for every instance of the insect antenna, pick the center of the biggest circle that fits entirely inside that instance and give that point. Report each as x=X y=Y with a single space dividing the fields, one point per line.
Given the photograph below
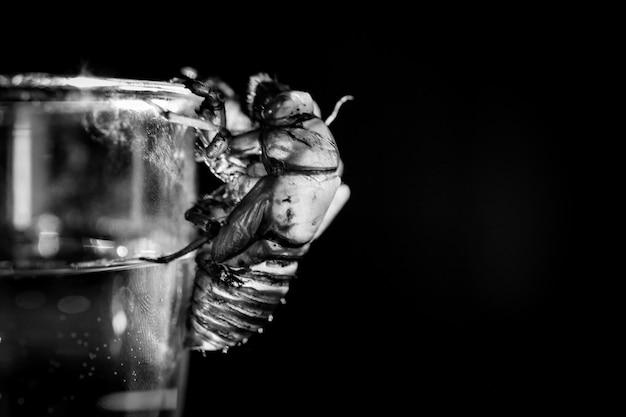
x=338 y=105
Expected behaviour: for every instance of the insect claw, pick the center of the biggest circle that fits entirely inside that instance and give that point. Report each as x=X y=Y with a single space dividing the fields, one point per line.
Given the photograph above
x=158 y=108
x=189 y=248
x=184 y=120
x=191 y=122
x=161 y=260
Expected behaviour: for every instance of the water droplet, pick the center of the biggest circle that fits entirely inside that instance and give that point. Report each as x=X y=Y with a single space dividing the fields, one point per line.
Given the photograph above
x=260 y=330
x=114 y=372
x=93 y=368
x=20 y=401
x=84 y=364
x=121 y=251
x=74 y=304
x=97 y=349
x=73 y=335
x=62 y=317
x=105 y=345
x=283 y=301
x=119 y=322
x=108 y=357
x=121 y=363
x=86 y=334
x=90 y=374
x=270 y=318
x=225 y=349
x=98 y=319
x=81 y=376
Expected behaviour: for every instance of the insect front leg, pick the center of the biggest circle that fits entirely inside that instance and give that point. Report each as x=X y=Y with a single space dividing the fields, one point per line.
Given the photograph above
x=200 y=124
x=199 y=242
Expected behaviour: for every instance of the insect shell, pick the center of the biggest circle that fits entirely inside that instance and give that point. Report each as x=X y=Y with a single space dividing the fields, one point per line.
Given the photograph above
x=229 y=306
x=282 y=187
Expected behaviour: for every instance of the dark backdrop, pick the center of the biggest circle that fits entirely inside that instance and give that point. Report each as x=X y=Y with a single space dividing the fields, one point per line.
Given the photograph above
x=451 y=274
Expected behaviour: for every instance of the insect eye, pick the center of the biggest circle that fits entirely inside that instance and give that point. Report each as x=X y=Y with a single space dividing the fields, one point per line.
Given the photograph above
x=278 y=108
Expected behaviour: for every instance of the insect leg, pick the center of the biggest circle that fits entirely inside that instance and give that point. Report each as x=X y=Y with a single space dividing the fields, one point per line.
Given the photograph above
x=208 y=213
x=186 y=120
x=189 y=248
x=243 y=223
x=191 y=122
x=211 y=229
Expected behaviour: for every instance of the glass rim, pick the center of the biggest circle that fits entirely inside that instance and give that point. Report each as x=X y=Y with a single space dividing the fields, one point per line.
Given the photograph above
x=54 y=84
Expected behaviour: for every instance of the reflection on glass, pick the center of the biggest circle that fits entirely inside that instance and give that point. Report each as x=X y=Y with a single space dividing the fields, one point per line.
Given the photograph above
x=91 y=178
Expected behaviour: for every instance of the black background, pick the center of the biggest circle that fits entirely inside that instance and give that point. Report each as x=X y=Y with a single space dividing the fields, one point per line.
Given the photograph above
x=457 y=274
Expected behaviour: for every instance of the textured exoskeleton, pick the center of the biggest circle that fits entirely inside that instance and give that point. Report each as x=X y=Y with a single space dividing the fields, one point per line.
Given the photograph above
x=283 y=200
x=282 y=188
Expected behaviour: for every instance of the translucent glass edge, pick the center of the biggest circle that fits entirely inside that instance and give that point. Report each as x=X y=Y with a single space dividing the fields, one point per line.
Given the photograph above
x=93 y=83
x=101 y=265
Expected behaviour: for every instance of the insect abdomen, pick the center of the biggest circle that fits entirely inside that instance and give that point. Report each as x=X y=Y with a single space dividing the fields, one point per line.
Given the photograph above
x=229 y=306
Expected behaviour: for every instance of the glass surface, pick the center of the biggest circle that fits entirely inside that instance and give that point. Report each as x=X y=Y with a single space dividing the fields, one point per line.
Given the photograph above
x=92 y=177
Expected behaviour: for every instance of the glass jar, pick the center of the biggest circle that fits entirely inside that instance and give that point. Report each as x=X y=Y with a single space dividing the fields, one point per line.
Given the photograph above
x=93 y=177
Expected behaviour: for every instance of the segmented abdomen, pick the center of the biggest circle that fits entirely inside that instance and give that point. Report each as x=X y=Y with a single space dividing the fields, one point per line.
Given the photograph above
x=228 y=306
